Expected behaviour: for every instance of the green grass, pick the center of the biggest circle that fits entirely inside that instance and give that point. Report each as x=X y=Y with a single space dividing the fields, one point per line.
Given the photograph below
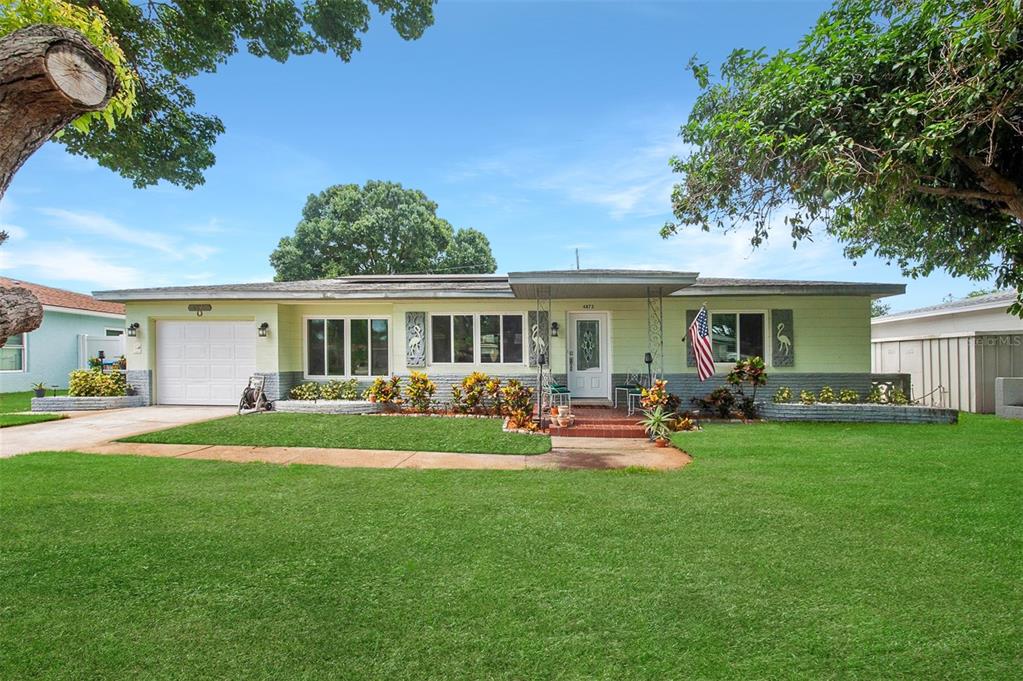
x=11 y=403
x=11 y=420
x=782 y=551
x=20 y=401
x=428 y=434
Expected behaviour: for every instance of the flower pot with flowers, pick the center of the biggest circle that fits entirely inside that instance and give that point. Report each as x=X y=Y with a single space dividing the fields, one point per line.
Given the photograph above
x=657 y=423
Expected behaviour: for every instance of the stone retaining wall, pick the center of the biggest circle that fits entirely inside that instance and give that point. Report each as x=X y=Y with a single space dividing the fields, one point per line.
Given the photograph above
x=66 y=403
x=328 y=406
x=857 y=413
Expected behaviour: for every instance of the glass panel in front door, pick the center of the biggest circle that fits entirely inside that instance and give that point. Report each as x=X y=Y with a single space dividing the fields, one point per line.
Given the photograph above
x=587 y=344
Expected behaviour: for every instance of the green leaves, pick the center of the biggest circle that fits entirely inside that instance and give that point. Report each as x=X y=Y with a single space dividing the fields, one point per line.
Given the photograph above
x=895 y=125
x=381 y=228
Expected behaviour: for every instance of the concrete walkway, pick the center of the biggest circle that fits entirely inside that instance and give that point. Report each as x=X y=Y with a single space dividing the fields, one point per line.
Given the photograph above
x=94 y=428
x=567 y=453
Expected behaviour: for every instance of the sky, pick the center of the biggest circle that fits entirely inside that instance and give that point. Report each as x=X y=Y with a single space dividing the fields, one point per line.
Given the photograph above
x=546 y=125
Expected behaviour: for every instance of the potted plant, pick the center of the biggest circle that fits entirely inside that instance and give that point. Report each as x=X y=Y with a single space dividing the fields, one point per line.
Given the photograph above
x=657 y=424
x=39 y=389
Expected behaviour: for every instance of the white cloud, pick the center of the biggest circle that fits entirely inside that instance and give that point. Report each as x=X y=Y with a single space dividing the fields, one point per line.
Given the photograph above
x=61 y=262
x=15 y=232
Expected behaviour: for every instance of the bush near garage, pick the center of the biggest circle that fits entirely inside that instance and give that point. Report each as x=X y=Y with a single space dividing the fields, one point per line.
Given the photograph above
x=88 y=383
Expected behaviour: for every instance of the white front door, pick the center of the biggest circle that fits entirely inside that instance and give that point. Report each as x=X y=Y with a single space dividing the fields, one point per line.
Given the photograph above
x=203 y=362
x=589 y=373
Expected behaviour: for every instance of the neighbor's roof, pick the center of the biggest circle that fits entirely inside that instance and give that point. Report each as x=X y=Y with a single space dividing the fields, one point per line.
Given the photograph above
x=999 y=299
x=58 y=297
x=575 y=283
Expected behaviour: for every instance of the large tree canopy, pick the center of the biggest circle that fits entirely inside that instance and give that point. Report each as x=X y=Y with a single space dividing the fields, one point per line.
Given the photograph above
x=169 y=41
x=895 y=124
x=381 y=228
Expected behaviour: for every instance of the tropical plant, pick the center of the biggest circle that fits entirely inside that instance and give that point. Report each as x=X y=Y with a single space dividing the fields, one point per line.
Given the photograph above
x=384 y=391
x=336 y=389
x=782 y=395
x=720 y=401
x=659 y=395
x=419 y=391
x=516 y=397
x=895 y=124
x=683 y=424
x=826 y=395
x=750 y=372
x=898 y=397
x=876 y=395
x=378 y=228
x=807 y=397
x=95 y=363
x=39 y=386
x=305 y=391
x=847 y=396
x=476 y=394
x=657 y=423
x=90 y=383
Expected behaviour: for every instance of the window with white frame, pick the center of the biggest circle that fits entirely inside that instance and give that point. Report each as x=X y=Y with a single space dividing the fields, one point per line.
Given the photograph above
x=737 y=335
x=472 y=338
x=346 y=346
x=12 y=354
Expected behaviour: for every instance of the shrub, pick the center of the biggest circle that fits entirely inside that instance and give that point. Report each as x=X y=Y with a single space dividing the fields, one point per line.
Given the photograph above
x=875 y=396
x=657 y=422
x=305 y=391
x=683 y=423
x=848 y=396
x=658 y=396
x=477 y=394
x=340 y=390
x=419 y=391
x=783 y=394
x=720 y=401
x=898 y=397
x=807 y=397
x=516 y=398
x=750 y=372
x=826 y=395
x=82 y=383
x=384 y=390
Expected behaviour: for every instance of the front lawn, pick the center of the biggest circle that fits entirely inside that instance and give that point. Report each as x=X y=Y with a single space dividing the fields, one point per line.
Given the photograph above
x=782 y=551
x=11 y=420
x=12 y=403
x=421 y=433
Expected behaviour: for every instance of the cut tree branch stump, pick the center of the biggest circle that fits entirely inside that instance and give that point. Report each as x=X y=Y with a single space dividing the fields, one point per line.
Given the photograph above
x=20 y=312
x=49 y=76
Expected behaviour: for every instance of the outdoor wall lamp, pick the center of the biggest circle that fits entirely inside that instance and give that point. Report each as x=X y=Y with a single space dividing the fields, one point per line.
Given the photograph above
x=264 y=329
x=648 y=358
x=554 y=329
x=133 y=329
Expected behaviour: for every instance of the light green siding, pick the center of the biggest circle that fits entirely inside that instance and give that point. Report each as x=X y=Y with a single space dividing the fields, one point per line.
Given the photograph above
x=832 y=333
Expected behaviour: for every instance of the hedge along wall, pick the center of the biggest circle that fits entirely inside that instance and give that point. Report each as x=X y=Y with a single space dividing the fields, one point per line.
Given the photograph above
x=857 y=413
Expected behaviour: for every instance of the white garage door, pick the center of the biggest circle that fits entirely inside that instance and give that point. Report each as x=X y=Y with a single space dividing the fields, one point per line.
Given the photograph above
x=203 y=362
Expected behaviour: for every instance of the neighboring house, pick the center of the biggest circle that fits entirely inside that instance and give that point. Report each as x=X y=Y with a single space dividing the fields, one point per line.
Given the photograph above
x=75 y=327
x=593 y=326
x=953 y=351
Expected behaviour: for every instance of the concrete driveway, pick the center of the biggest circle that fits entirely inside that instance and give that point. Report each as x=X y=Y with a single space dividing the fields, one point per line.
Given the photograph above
x=93 y=429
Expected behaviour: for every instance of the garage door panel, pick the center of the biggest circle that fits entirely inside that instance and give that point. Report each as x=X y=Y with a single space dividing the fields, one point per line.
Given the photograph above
x=203 y=362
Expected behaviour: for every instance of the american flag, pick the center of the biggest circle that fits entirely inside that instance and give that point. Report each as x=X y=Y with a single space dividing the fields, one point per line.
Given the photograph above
x=699 y=340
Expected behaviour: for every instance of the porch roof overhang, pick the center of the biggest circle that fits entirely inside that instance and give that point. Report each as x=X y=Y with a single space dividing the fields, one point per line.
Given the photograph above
x=598 y=283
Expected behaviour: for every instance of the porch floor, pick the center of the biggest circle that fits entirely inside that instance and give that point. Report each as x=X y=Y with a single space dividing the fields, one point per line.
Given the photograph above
x=597 y=421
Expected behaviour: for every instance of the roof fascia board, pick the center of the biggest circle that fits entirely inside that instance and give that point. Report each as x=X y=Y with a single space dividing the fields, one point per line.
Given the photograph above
x=942 y=312
x=75 y=310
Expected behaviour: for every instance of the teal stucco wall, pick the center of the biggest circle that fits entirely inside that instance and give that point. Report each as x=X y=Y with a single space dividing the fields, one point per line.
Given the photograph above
x=52 y=349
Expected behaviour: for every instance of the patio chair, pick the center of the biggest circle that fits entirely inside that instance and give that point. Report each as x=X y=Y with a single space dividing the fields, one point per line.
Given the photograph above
x=631 y=385
x=559 y=395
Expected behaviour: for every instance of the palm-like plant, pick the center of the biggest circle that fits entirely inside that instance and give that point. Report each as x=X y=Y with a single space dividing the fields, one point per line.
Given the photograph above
x=657 y=422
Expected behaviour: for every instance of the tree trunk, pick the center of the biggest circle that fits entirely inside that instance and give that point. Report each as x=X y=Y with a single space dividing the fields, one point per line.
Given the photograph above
x=49 y=76
x=20 y=312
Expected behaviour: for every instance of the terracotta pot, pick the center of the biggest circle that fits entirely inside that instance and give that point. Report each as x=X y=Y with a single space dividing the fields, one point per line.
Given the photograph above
x=563 y=421
x=661 y=442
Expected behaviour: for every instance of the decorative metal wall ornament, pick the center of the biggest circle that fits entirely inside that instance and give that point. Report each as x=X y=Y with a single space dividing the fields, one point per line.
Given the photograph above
x=655 y=327
x=415 y=339
x=539 y=340
x=783 y=338
x=539 y=322
x=199 y=308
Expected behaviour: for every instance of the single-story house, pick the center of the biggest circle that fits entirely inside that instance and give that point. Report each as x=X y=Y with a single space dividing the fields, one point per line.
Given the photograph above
x=953 y=351
x=75 y=327
x=593 y=328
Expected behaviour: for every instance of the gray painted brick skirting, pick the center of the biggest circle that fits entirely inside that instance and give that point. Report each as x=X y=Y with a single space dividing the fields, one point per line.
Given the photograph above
x=66 y=403
x=142 y=381
x=857 y=413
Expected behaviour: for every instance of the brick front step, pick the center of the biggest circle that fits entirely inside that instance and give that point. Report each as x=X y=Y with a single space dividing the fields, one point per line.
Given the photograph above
x=600 y=430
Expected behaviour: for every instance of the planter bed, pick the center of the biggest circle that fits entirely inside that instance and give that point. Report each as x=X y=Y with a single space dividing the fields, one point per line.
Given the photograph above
x=66 y=403
x=327 y=406
x=857 y=413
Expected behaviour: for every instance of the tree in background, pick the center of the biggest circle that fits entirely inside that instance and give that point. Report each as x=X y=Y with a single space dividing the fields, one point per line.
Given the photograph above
x=879 y=309
x=896 y=124
x=381 y=228
x=165 y=43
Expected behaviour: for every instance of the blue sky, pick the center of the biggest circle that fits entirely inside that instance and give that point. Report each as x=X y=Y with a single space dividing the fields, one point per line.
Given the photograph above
x=548 y=126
